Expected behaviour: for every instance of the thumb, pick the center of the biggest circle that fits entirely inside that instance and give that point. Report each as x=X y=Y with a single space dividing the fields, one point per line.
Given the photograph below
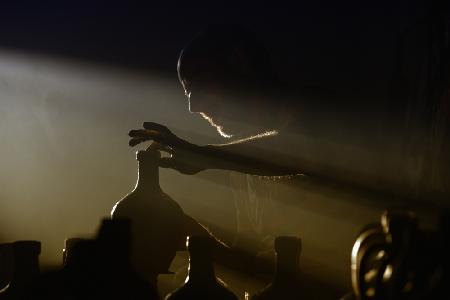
x=167 y=162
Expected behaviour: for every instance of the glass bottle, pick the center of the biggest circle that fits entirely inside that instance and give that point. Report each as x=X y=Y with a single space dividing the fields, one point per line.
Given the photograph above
x=69 y=244
x=286 y=283
x=157 y=220
x=5 y=265
x=25 y=270
x=201 y=282
x=113 y=274
x=98 y=268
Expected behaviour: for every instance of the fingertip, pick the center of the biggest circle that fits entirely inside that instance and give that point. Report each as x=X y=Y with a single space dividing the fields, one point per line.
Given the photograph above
x=135 y=132
x=134 y=142
x=155 y=126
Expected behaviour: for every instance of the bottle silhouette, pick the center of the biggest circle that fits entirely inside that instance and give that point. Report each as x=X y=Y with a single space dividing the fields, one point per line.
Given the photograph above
x=69 y=245
x=79 y=276
x=25 y=271
x=114 y=275
x=286 y=283
x=157 y=220
x=5 y=265
x=201 y=282
x=97 y=268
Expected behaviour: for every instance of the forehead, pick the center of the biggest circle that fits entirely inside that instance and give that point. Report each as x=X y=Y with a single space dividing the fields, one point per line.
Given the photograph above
x=202 y=81
x=201 y=72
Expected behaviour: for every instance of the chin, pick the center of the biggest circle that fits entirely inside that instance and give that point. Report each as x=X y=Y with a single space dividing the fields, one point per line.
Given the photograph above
x=222 y=132
x=218 y=127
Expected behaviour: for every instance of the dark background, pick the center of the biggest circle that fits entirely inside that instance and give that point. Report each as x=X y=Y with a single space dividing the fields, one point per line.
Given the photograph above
x=341 y=45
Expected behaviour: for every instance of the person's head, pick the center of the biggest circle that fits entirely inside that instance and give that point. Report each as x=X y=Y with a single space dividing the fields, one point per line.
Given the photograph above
x=225 y=71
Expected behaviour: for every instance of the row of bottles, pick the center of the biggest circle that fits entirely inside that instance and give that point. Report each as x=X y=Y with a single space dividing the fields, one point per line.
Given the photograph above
x=97 y=268
x=390 y=260
x=148 y=227
x=101 y=268
x=202 y=283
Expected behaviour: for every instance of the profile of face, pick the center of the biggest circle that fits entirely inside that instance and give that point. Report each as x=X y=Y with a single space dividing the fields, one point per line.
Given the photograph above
x=213 y=102
x=226 y=74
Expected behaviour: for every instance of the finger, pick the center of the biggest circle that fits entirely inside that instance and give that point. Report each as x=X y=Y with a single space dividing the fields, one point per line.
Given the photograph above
x=135 y=141
x=143 y=133
x=155 y=126
x=138 y=133
x=149 y=135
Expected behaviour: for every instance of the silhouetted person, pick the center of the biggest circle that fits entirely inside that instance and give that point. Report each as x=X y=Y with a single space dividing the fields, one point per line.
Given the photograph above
x=228 y=79
x=201 y=282
x=25 y=271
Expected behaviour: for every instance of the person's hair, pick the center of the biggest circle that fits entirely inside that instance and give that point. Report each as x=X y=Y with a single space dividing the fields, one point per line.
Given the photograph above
x=230 y=53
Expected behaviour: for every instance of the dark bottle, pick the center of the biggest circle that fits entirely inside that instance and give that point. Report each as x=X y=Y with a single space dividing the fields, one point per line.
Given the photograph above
x=286 y=283
x=201 y=282
x=113 y=274
x=26 y=269
x=157 y=220
x=69 y=245
x=98 y=268
x=79 y=276
x=5 y=265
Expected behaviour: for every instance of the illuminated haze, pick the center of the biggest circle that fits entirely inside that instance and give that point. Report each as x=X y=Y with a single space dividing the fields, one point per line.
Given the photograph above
x=65 y=161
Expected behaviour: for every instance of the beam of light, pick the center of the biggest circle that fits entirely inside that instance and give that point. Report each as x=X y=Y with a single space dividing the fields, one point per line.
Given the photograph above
x=65 y=161
x=257 y=136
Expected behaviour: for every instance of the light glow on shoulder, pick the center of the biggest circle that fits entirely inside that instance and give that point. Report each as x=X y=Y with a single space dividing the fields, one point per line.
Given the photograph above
x=257 y=136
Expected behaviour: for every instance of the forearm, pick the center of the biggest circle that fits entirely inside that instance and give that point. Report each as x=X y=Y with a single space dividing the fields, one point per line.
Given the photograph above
x=246 y=159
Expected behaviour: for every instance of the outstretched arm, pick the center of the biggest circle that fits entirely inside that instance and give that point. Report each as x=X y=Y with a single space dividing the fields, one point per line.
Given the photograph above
x=248 y=156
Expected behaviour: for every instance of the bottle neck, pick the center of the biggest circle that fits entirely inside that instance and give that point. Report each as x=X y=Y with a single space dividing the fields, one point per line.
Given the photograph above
x=201 y=269
x=148 y=177
x=287 y=268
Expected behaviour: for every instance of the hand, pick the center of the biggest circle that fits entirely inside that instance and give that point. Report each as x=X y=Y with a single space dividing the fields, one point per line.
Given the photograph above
x=185 y=157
